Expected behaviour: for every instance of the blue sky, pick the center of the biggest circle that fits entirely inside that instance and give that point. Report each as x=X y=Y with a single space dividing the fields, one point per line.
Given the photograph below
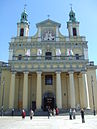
x=85 y=10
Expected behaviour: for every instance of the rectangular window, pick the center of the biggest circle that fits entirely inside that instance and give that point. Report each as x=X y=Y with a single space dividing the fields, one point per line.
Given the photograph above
x=48 y=80
x=48 y=56
x=77 y=56
x=21 y=32
x=19 y=57
x=74 y=32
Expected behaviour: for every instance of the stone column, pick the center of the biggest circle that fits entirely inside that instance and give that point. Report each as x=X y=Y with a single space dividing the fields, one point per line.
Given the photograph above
x=80 y=91
x=58 y=90
x=12 y=91
x=85 y=92
x=25 y=91
x=38 y=91
x=72 y=90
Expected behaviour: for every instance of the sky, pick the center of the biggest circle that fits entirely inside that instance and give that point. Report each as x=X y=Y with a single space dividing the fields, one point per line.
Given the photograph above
x=38 y=10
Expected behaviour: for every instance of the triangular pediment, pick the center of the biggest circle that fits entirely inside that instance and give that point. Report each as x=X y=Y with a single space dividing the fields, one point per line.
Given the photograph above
x=48 y=22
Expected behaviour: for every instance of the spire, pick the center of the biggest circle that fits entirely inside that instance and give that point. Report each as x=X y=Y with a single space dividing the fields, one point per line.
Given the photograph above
x=72 y=15
x=24 y=16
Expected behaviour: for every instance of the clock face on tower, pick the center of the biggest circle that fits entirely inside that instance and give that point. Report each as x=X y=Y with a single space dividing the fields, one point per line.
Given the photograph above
x=48 y=35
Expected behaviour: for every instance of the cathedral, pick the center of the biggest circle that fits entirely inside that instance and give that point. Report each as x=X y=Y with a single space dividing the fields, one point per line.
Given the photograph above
x=48 y=69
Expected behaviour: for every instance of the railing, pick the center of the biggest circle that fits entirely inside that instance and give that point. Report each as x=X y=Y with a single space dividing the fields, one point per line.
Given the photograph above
x=46 y=58
x=31 y=39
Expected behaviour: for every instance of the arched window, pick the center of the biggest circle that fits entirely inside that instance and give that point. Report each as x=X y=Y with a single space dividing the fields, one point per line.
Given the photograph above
x=74 y=32
x=77 y=56
x=19 y=57
x=22 y=32
x=48 y=56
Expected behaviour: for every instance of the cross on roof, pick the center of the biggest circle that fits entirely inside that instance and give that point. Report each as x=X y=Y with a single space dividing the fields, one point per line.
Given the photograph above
x=71 y=6
x=25 y=5
x=48 y=16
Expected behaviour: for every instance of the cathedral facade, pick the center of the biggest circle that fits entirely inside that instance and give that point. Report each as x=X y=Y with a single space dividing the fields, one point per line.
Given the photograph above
x=48 y=69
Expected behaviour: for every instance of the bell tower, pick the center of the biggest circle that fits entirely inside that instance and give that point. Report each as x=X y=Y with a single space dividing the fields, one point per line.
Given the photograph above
x=73 y=25
x=23 y=25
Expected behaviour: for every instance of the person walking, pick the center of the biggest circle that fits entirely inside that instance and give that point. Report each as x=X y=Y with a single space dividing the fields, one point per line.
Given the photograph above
x=54 y=112
x=74 y=114
x=31 y=114
x=82 y=115
x=57 y=111
x=13 y=112
x=23 y=113
x=51 y=112
x=48 y=112
x=70 y=114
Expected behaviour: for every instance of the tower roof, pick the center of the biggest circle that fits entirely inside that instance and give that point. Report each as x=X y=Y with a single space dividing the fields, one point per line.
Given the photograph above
x=72 y=16
x=24 y=17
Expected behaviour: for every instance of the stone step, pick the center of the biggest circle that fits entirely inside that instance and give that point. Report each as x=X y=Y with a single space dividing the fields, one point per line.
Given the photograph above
x=62 y=112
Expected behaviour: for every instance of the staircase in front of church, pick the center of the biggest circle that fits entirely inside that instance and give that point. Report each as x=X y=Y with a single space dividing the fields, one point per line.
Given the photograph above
x=62 y=112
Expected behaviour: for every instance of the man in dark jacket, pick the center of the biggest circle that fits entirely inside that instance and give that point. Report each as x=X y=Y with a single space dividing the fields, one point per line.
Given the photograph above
x=82 y=115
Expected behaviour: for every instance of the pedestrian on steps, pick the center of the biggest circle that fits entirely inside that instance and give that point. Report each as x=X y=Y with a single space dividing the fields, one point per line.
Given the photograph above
x=82 y=115
x=31 y=114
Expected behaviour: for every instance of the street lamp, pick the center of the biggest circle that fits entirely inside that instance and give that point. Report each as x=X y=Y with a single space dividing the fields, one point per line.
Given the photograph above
x=93 y=96
x=3 y=97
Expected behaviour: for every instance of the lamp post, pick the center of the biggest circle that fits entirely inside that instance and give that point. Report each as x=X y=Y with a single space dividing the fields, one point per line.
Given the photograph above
x=2 y=108
x=93 y=96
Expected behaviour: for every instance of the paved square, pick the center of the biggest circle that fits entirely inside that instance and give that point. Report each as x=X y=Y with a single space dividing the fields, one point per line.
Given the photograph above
x=57 y=122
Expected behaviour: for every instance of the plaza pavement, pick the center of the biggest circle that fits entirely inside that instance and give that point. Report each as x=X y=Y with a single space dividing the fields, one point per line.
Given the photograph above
x=57 y=122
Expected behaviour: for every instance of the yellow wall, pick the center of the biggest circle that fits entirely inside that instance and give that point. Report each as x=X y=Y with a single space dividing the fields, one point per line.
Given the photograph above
x=6 y=77
x=32 y=83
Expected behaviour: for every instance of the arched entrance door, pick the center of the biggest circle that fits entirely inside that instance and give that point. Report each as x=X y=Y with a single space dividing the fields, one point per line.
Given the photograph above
x=48 y=101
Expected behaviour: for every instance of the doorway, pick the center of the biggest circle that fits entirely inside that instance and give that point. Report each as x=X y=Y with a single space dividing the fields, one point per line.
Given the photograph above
x=48 y=101
x=33 y=105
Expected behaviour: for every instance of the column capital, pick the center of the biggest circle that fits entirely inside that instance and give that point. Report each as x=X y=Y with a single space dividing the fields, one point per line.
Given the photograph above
x=71 y=72
x=58 y=72
x=26 y=72
x=83 y=72
x=39 y=72
x=13 y=72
